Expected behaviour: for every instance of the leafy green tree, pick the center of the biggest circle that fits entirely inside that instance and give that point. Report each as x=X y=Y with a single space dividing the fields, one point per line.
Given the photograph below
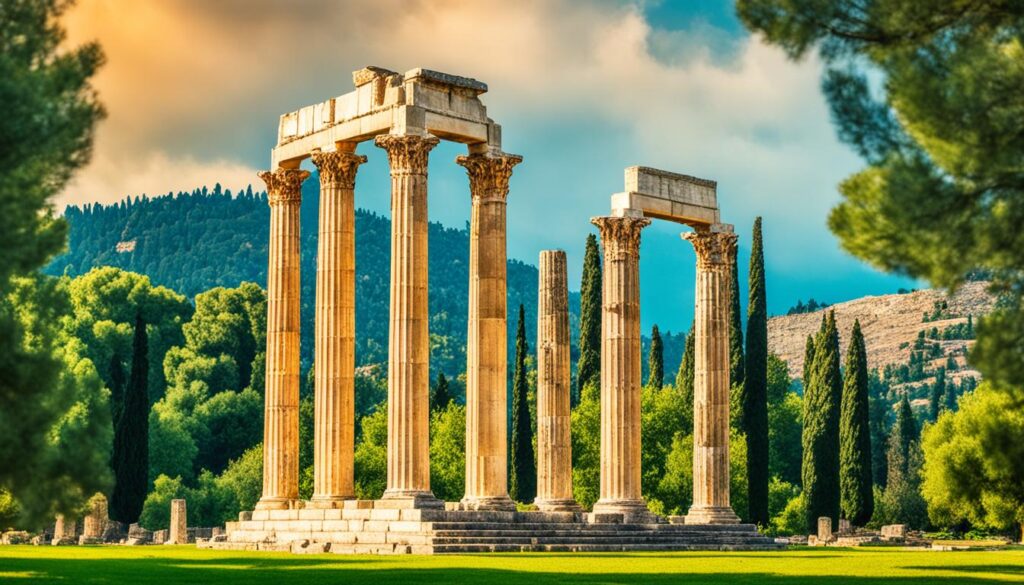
x=684 y=384
x=656 y=360
x=448 y=452
x=821 y=428
x=660 y=413
x=131 y=438
x=972 y=458
x=106 y=301
x=172 y=450
x=939 y=135
x=523 y=480
x=244 y=477
x=588 y=368
x=855 y=435
x=441 y=397
x=754 y=402
x=585 y=428
x=49 y=389
x=675 y=488
x=785 y=425
x=371 y=457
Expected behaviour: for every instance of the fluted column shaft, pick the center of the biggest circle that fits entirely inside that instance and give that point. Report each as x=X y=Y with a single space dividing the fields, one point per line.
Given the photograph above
x=281 y=400
x=711 y=377
x=334 y=366
x=554 y=442
x=408 y=340
x=486 y=342
x=620 y=367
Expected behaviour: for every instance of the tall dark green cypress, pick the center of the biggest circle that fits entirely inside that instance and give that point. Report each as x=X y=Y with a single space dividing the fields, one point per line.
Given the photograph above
x=755 y=384
x=523 y=483
x=949 y=394
x=131 y=437
x=735 y=327
x=116 y=388
x=938 y=398
x=805 y=378
x=858 y=502
x=588 y=369
x=684 y=383
x=441 y=397
x=902 y=439
x=822 y=403
x=656 y=361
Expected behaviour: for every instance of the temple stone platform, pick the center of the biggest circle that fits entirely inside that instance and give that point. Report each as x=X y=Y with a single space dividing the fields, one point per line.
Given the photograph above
x=376 y=527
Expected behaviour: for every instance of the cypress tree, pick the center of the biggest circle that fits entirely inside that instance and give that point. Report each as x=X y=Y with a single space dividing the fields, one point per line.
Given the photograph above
x=684 y=383
x=735 y=327
x=858 y=501
x=938 y=394
x=656 y=361
x=949 y=394
x=131 y=437
x=902 y=441
x=441 y=397
x=523 y=483
x=820 y=440
x=755 y=385
x=116 y=388
x=588 y=369
x=808 y=362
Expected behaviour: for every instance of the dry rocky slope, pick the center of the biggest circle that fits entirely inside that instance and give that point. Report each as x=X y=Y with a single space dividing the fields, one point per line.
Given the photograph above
x=890 y=324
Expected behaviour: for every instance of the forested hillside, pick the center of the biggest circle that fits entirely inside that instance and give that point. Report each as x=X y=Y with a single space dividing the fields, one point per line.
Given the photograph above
x=191 y=242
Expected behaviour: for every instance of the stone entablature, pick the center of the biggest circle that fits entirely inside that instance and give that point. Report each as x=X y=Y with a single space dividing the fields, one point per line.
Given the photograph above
x=665 y=195
x=420 y=101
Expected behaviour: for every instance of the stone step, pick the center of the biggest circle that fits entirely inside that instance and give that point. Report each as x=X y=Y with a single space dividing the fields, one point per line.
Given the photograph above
x=623 y=547
x=567 y=540
x=587 y=534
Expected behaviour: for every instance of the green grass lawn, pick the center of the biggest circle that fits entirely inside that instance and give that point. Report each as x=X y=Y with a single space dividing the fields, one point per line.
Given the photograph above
x=186 y=564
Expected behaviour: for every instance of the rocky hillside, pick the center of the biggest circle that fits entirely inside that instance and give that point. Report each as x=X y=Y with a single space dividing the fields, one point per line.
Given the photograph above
x=891 y=324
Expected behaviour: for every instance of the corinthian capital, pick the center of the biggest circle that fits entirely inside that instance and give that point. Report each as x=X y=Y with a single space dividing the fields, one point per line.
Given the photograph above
x=407 y=153
x=338 y=167
x=714 y=248
x=620 y=236
x=284 y=185
x=489 y=175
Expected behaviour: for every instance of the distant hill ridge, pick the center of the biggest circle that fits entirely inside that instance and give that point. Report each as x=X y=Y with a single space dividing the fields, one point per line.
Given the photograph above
x=890 y=324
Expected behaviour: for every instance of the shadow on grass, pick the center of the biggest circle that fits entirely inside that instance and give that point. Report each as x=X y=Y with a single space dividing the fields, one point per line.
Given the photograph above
x=314 y=570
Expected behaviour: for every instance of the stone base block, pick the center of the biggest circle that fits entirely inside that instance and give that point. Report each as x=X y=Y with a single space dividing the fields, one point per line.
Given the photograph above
x=632 y=511
x=711 y=515
x=566 y=505
x=500 y=504
x=279 y=504
x=409 y=500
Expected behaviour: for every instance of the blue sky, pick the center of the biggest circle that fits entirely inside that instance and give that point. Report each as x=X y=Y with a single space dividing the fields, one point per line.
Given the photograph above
x=582 y=90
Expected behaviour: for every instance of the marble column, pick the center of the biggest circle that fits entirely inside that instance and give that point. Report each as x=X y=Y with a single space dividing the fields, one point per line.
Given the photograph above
x=620 y=369
x=714 y=249
x=486 y=342
x=554 y=443
x=334 y=366
x=281 y=400
x=409 y=344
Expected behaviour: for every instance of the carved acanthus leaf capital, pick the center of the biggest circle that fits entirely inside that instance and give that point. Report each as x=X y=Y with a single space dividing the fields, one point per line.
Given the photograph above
x=489 y=174
x=284 y=185
x=407 y=153
x=338 y=167
x=620 y=236
x=714 y=249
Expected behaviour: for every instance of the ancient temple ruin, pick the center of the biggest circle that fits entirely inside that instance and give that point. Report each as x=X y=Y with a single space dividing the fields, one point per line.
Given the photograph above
x=406 y=115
